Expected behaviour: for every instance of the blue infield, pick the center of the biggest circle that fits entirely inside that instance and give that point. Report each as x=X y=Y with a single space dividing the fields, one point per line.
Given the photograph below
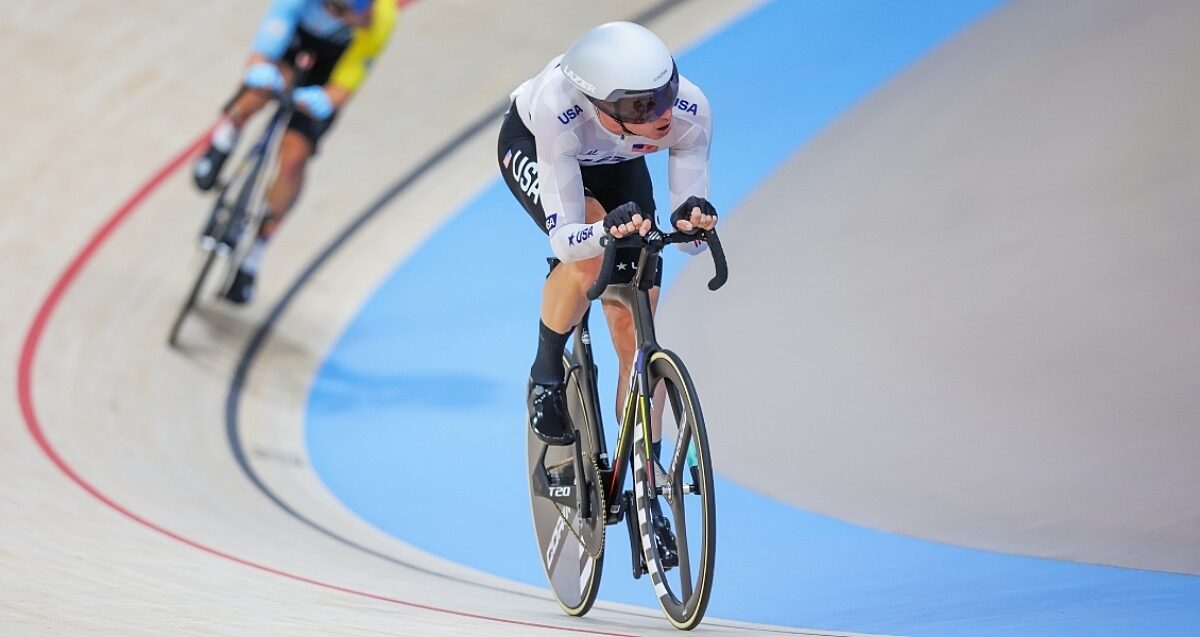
x=415 y=420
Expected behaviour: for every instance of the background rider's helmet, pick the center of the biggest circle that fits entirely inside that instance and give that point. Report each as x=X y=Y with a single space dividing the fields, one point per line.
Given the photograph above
x=352 y=5
x=625 y=70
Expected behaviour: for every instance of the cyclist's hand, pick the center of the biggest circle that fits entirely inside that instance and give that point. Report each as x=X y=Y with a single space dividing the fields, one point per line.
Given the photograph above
x=625 y=220
x=263 y=75
x=315 y=100
x=694 y=215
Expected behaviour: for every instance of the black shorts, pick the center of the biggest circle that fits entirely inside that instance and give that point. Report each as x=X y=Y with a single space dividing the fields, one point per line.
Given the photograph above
x=325 y=55
x=610 y=184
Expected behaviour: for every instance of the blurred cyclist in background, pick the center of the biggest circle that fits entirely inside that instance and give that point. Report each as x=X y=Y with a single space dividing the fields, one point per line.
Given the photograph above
x=341 y=38
x=572 y=150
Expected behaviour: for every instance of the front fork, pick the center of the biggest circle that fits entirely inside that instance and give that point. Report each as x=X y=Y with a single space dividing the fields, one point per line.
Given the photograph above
x=641 y=399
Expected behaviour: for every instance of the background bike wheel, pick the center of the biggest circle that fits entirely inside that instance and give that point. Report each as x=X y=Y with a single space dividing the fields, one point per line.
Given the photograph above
x=223 y=220
x=687 y=499
x=573 y=557
x=219 y=220
x=189 y=302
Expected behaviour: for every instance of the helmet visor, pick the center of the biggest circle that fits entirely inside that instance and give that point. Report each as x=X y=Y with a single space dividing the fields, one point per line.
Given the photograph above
x=640 y=107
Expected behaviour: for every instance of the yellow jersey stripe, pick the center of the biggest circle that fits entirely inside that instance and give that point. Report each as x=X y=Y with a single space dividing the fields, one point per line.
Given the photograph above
x=365 y=45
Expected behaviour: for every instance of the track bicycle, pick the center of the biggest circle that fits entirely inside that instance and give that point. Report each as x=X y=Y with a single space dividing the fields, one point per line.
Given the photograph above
x=237 y=212
x=576 y=491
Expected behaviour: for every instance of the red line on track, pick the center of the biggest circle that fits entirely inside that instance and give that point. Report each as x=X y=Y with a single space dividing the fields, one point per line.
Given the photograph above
x=25 y=395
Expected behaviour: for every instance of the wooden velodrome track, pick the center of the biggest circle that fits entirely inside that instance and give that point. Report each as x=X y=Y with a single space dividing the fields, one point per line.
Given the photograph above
x=122 y=510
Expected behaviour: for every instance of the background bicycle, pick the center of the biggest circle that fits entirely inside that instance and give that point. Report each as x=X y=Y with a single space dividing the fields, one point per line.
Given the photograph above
x=235 y=215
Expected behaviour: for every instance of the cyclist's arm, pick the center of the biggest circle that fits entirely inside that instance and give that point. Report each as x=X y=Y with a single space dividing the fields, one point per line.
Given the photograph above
x=560 y=184
x=560 y=187
x=366 y=44
x=687 y=167
x=275 y=31
x=687 y=171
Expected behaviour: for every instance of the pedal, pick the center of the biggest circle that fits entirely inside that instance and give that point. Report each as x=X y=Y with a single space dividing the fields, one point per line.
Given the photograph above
x=208 y=236
x=613 y=515
x=635 y=538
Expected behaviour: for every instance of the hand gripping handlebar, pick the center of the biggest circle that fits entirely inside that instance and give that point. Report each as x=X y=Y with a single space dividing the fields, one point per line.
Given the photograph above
x=654 y=242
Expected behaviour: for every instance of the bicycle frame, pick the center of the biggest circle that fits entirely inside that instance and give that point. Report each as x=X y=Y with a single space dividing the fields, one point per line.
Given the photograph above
x=251 y=201
x=638 y=404
x=261 y=146
x=260 y=155
x=635 y=295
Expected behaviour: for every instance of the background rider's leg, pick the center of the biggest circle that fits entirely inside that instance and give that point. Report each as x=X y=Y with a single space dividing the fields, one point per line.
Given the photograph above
x=294 y=152
x=225 y=135
x=245 y=106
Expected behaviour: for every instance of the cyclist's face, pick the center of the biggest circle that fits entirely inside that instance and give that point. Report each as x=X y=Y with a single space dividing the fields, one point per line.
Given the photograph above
x=653 y=130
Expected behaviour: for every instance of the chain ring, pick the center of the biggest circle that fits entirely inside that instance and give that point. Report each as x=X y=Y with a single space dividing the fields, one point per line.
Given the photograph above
x=571 y=527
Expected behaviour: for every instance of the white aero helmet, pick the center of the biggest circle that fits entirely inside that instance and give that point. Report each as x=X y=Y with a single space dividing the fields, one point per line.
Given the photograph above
x=625 y=70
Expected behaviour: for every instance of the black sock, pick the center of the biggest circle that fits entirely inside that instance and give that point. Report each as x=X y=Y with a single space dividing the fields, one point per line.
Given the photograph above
x=656 y=449
x=547 y=366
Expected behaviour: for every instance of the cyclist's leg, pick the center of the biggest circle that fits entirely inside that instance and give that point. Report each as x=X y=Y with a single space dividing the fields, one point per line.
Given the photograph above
x=245 y=105
x=300 y=143
x=564 y=294
x=302 y=138
x=564 y=301
x=620 y=327
x=295 y=149
x=564 y=298
x=225 y=134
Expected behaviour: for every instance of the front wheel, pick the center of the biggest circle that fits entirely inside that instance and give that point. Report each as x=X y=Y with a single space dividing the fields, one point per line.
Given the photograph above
x=219 y=220
x=224 y=219
x=680 y=489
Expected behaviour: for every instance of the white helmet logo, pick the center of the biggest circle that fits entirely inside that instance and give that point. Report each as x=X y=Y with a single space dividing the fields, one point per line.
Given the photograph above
x=579 y=81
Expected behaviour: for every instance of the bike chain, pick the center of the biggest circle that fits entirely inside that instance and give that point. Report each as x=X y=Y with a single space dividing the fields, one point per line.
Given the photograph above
x=602 y=512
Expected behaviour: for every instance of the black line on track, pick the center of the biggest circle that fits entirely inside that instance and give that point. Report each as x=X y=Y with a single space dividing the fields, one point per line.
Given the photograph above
x=263 y=332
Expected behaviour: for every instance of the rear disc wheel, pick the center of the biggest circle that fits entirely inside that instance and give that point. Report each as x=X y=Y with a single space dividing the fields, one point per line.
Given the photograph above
x=568 y=513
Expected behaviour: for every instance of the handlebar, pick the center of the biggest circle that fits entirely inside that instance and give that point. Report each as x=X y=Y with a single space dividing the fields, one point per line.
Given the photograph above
x=654 y=243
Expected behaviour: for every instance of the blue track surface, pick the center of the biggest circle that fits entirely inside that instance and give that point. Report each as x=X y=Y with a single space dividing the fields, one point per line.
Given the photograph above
x=416 y=418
